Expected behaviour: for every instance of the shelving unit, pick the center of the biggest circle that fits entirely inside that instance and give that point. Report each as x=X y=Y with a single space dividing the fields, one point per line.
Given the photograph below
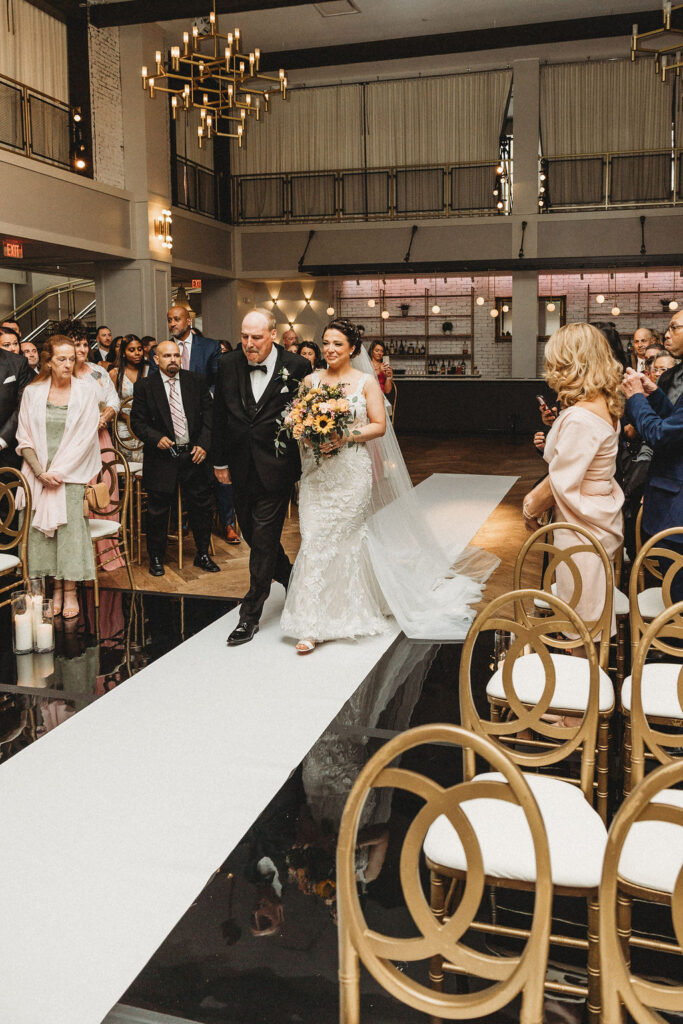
x=643 y=306
x=416 y=343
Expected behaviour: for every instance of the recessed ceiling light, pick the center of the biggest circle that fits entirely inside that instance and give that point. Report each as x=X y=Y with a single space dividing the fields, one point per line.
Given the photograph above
x=333 y=8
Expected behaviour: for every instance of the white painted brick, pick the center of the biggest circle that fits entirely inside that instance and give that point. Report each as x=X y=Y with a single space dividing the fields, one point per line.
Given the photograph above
x=105 y=99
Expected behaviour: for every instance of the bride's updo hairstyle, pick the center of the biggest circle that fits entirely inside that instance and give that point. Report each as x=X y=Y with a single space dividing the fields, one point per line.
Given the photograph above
x=579 y=366
x=349 y=330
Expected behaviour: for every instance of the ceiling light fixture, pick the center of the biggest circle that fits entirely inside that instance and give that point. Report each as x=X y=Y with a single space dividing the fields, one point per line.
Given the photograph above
x=667 y=57
x=211 y=74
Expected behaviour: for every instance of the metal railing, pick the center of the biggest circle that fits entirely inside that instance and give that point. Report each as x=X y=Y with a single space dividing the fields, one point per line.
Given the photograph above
x=54 y=303
x=606 y=181
x=385 y=193
x=197 y=188
x=34 y=124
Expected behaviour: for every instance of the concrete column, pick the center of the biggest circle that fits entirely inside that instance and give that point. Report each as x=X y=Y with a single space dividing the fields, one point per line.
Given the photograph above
x=220 y=310
x=135 y=296
x=524 y=323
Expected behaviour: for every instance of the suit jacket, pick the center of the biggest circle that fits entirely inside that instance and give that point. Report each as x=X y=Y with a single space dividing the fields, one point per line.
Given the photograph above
x=244 y=432
x=660 y=424
x=204 y=357
x=15 y=374
x=150 y=420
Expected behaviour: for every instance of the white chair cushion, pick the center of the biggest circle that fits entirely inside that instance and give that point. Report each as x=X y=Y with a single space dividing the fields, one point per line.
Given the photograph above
x=576 y=835
x=134 y=468
x=8 y=562
x=659 y=689
x=637 y=863
x=571 y=682
x=651 y=602
x=621 y=605
x=100 y=529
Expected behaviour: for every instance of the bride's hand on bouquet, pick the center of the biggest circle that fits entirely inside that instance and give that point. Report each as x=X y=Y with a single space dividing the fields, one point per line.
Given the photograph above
x=335 y=441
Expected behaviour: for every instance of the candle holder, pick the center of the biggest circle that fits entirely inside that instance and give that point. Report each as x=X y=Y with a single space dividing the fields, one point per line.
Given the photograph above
x=25 y=670
x=44 y=632
x=22 y=622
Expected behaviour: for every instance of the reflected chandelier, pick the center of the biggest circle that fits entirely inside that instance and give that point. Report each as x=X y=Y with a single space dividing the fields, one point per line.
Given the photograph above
x=218 y=79
x=664 y=44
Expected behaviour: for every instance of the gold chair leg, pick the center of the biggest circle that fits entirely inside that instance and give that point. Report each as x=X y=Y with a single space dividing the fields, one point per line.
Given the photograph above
x=593 y=998
x=621 y=653
x=627 y=751
x=603 y=768
x=437 y=902
x=180 y=528
x=139 y=518
x=349 y=981
x=624 y=924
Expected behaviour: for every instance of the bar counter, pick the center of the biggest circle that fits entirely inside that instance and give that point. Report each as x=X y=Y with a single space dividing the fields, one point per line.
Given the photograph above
x=467 y=405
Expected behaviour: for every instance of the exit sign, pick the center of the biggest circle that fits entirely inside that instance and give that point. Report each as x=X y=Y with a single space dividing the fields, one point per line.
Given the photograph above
x=196 y=282
x=13 y=250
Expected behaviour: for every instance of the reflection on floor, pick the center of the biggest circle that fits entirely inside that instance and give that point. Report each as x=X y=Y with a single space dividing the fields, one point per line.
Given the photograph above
x=259 y=944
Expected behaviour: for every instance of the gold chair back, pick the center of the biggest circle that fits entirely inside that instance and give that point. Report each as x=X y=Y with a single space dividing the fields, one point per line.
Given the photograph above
x=532 y=738
x=114 y=467
x=125 y=440
x=523 y=973
x=648 y=558
x=665 y=634
x=541 y=544
x=641 y=997
x=14 y=527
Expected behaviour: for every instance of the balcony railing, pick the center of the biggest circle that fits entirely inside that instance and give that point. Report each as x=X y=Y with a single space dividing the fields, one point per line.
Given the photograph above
x=34 y=124
x=451 y=190
x=199 y=189
x=615 y=180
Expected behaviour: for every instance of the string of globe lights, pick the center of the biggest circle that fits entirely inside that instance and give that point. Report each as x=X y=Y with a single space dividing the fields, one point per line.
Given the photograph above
x=211 y=73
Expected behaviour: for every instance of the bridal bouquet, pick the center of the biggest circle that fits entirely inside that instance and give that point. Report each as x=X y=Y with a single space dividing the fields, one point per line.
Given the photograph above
x=314 y=416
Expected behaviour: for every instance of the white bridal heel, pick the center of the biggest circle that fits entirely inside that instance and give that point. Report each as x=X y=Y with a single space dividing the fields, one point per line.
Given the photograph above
x=305 y=646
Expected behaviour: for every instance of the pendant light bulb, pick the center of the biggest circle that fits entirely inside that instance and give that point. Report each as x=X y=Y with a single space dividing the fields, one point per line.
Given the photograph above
x=330 y=310
x=371 y=303
x=673 y=305
x=551 y=307
x=385 y=314
x=600 y=299
x=493 y=312
x=506 y=308
x=436 y=308
x=615 y=311
x=480 y=300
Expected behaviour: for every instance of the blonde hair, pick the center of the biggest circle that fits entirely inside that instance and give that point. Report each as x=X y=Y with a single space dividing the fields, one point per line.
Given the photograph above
x=579 y=366
x=53 y=342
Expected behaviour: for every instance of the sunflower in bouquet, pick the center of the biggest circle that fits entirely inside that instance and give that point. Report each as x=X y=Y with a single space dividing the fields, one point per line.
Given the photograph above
x=315 y=415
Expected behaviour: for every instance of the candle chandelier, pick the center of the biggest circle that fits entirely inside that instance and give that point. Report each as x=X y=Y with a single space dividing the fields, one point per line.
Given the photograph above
x=664 y=44
x=212 y=74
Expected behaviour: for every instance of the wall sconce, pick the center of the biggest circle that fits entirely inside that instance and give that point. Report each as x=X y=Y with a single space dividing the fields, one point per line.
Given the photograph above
x=162 y=229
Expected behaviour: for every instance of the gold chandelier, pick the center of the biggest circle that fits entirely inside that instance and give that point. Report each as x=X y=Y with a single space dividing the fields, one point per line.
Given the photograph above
x=667 y=57
x=218 y=79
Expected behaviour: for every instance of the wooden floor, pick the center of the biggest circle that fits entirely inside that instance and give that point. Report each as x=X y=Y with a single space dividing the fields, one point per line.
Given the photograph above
x=502 y=534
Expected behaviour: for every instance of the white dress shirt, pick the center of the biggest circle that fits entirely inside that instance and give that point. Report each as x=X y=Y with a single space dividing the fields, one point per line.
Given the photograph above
x=185 y=439
x=260 y=380
x=181 y=345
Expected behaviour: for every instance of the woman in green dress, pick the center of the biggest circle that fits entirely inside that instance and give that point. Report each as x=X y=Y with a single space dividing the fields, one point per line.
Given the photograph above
x=57 y=437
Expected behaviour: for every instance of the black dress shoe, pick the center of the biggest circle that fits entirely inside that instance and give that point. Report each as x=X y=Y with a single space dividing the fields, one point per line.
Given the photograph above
x=242 y=633
x=206 y=563
x=156 y=566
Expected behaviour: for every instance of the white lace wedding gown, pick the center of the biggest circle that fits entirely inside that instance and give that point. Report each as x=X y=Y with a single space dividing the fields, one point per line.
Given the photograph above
x=333 y=592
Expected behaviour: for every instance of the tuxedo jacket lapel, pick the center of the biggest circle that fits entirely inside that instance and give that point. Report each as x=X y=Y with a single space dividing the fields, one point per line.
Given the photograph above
x=275 y=382
x=244 y=383
x=159 y=393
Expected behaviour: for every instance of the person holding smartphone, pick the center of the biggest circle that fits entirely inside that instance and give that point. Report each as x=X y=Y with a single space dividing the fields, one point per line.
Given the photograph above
x=382 y=367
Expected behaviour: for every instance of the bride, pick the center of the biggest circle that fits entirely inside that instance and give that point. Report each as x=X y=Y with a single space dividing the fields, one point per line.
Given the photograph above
x=333 y=591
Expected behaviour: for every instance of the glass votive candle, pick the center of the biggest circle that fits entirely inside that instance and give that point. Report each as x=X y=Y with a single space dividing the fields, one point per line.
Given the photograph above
x=22 y=622
x=44 y=639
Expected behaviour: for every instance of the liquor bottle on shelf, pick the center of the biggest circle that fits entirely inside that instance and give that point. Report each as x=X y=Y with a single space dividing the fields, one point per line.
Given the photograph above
x=442 y=368
x=463 y=368
x=401 y=349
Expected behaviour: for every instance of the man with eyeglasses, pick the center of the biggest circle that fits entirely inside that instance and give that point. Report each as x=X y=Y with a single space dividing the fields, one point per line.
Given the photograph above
x=659 y=421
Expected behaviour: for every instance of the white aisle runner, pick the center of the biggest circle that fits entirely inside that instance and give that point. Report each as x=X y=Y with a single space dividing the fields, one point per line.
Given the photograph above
x=114 y=822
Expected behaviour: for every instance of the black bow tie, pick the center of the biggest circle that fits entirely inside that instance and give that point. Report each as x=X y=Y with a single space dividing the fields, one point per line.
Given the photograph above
x=258 y=366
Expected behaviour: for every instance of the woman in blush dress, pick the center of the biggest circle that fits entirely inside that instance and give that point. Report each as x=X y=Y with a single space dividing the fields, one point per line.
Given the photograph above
x=581 y=451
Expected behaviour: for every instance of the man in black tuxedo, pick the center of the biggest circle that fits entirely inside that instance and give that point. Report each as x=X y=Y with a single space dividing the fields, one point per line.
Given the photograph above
x=15 y=374
x=255 y=383
x=171 y=414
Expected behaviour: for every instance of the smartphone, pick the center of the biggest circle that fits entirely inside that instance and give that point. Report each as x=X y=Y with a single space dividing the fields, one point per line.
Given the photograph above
x=541 y=401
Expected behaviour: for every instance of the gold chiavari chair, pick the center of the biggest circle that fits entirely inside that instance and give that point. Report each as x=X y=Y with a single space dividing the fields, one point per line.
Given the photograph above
x=652 y=697
x=14 y=529
x=646 y=603
x=111 y=529
x=130 y=448
x=571 y=673
x=442 y=937
x=643 y=860
x=576 y=833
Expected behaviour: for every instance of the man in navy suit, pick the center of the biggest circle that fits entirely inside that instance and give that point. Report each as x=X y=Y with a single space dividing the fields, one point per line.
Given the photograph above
x=198 y=354
x=660 y=424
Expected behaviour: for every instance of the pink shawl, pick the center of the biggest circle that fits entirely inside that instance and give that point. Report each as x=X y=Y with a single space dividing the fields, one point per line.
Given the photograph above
x=76 y=461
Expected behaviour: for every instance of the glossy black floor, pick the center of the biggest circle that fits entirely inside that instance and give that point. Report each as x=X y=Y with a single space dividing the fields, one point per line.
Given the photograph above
x=259 y=945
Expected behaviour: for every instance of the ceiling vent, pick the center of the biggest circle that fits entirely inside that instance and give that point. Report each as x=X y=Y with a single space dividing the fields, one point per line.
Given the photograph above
x=333 y=8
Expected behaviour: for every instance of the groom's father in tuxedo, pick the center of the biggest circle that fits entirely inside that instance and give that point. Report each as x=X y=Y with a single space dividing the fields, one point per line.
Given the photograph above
x=254 y=384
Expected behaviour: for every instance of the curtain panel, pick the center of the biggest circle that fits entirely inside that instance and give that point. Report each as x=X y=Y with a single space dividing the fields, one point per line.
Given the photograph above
x=423 y=121
x=33 y=49
x=319 y=129
x=604 y=107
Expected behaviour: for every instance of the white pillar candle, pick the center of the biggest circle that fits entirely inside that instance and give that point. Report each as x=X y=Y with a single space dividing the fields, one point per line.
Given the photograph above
x=23 y=631
x=24 y=669
x=44 y=637
x=37 y=603
x=44 y=666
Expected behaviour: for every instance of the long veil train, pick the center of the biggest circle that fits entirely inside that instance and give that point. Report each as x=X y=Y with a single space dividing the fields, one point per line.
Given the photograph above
x=428 y=585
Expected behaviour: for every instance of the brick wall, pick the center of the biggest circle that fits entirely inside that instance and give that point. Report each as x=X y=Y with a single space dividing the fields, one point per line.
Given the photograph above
x=105 y=98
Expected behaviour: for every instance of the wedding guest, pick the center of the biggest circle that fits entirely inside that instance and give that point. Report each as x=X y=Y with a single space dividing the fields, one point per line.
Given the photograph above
x=309 y=350
x=659 y=421
x=171 y=414
x=651 y=353
x=9 y=340
x=57 y=437
x=103 y=341
x=382 y=369
x=131 y=366
x=15 y=374
x=113 y=354
x=225 y=346
x=290 y=340
x=148 y=345
x=13 y=325
x=31 y=353
x=660 y=364
x=611 y=334
x=197 y=353
x=581 y=451
x=642 y=338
